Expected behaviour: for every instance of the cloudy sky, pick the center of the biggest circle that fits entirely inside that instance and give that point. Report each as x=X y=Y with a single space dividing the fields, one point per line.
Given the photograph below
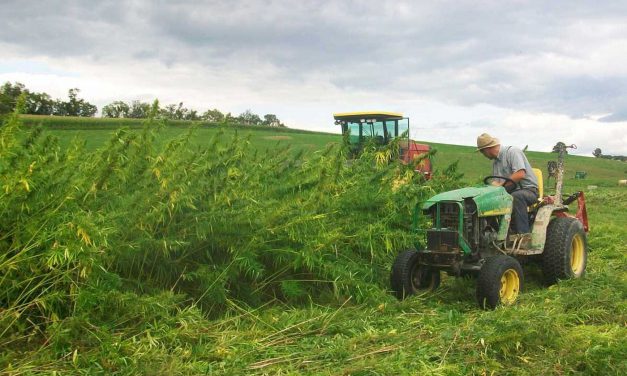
x=529 y=72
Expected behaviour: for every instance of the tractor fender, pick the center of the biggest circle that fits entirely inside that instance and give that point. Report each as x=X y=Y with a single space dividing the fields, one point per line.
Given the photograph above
x=541 y=223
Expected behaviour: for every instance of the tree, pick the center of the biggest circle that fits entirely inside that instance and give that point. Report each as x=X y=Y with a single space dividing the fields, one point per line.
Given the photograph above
x=39 y=104
x=43 y=104
x=34 y=103
x=228 y=118
x=614 y=157
x=87 y=109
x=560 y=146
x=271 y=120
x=175 y=112
x=597 y=153
x=181 y=112
x=168 y=112
x=214 y=116
x=192 y=115
x=75 y=106
x=117 y=109
x=8 y=96
x=139 y=110
x=247 y=117
x=59 y=108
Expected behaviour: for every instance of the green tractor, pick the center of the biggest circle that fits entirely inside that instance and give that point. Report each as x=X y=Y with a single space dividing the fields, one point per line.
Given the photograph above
x=469 y=236
x=381 y=128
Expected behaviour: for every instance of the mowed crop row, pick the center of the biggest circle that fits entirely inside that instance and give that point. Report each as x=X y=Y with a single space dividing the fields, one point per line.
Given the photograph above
x=164 y=253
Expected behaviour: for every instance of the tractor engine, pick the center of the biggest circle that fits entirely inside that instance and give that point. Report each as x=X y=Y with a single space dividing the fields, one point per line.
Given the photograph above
x=466 y=225
x=476 y=232
x=453 y=231
x=489 y=231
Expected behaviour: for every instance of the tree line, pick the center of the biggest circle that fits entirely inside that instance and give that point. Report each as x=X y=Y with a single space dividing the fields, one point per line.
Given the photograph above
x=43 y=104
x=598 y=153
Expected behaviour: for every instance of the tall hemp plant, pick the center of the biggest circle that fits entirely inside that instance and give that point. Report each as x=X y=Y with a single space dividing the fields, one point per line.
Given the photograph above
x=136 y=227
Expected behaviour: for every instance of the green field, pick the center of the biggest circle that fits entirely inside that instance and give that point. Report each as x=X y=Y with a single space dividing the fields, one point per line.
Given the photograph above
x=95 y=132
x=201 y=254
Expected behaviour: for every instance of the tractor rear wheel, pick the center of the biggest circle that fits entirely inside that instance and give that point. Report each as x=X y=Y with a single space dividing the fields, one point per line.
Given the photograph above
x=408 y=277
x=500 y=281
x=565 y=252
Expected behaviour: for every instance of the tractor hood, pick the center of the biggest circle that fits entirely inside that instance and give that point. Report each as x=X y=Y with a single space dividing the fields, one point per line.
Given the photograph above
x=490 y=200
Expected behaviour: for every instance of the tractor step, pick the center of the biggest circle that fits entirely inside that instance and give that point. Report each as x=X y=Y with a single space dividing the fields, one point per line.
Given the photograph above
x=520 y=245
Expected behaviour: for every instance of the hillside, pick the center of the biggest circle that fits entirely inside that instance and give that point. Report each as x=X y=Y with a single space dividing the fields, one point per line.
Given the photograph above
x=96 y=132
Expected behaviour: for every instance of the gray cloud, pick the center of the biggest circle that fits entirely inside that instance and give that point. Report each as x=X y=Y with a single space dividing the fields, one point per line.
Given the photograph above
x=533 y=56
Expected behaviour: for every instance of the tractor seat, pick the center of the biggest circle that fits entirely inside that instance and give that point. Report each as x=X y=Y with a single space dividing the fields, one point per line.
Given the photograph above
x=538 y=174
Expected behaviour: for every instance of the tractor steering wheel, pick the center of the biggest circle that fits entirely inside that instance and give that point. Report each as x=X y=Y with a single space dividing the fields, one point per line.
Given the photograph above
x=513 y=186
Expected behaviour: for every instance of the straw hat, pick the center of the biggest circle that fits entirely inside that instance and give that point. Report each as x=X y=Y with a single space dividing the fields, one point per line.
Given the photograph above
x=486 y=141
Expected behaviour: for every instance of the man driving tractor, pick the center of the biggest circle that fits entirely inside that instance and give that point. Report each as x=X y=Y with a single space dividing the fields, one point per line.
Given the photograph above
x=488 y=230
x=511 y=162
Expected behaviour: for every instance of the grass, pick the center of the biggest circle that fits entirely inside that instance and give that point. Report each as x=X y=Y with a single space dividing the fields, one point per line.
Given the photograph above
x=120 y=326
x=575 y=327
x=97 y=131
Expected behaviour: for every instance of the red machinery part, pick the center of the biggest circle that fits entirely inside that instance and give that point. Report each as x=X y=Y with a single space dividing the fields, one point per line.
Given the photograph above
x=415 y=151
x=582 y=212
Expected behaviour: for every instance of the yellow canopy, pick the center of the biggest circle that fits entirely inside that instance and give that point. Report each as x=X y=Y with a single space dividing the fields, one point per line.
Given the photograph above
x=377 y=115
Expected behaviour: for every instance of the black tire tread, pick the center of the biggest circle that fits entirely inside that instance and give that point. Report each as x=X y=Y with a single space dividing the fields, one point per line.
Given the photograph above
x=489 y=281
x=401 y=278
x=556 y=255
x=400 y=270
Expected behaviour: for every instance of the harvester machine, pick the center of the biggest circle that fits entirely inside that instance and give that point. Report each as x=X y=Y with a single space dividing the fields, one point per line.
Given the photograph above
x=381 y=128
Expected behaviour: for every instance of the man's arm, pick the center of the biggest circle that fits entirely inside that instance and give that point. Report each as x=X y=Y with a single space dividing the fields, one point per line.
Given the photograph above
x=516 y=177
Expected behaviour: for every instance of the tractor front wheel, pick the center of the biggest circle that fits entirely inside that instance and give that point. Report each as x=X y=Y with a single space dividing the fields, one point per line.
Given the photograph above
x=565 y=251
x=409 y=277
x=500 y=281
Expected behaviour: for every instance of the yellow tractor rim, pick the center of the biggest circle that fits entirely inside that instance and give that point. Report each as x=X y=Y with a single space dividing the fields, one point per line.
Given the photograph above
x=510 y=285
x=577 y=255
